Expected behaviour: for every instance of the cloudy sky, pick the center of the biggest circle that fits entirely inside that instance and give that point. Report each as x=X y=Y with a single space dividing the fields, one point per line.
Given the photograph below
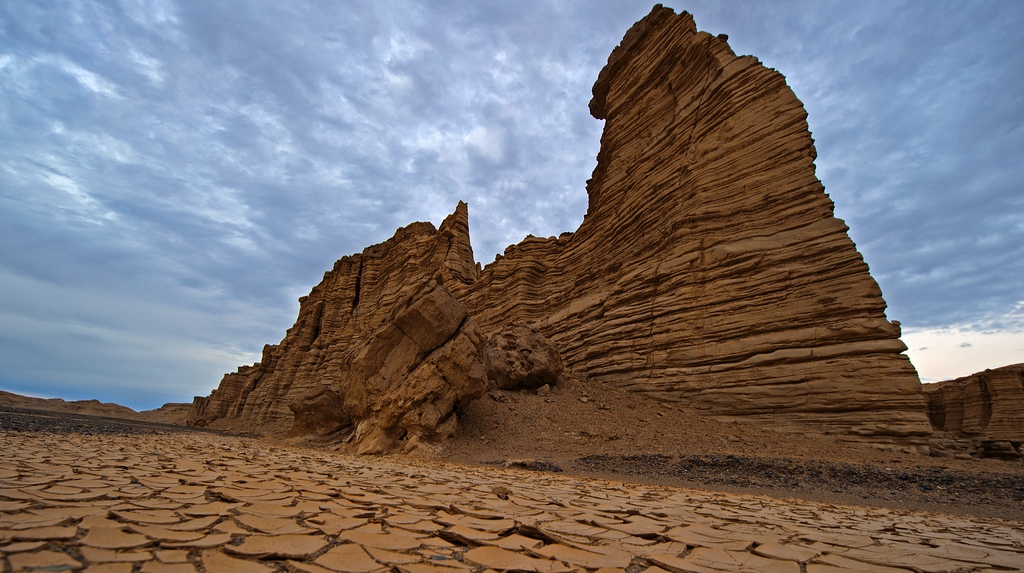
x=174 y=174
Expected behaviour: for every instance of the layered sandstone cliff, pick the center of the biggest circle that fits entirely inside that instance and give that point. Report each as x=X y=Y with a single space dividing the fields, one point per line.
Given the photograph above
x=709 y=269
x=984 y=408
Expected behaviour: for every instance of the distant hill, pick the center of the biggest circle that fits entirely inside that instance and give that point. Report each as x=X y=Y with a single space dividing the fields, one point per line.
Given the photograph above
x=172 y=413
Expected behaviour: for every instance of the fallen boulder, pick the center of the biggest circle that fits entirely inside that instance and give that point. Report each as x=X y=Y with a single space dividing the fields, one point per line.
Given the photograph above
x=520 y=357
x=321 y=413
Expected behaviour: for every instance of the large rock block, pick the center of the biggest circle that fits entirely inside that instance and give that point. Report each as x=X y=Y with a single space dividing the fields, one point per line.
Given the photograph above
x=405 y=385
x=320 y=413
x=401 y=391
x=520 y=357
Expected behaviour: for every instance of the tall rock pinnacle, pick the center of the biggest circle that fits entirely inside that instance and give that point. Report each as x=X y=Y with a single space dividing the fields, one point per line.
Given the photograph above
x=710 y=269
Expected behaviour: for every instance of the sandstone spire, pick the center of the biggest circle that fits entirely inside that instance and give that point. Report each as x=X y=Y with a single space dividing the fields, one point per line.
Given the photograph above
x=710 y=269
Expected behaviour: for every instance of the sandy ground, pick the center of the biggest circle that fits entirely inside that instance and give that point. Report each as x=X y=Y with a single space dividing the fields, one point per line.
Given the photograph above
x=95 y=494
x=598 y=430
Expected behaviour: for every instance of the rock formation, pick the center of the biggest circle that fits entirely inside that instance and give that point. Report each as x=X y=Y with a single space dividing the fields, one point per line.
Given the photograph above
x=519 y=357
x=405 y=383
x=986 y=409
x=709 y=270
x=382 y=332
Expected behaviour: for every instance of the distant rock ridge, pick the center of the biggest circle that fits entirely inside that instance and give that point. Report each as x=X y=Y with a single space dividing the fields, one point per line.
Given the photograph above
x=709 y=269
x=171 y=413
x=985 y=409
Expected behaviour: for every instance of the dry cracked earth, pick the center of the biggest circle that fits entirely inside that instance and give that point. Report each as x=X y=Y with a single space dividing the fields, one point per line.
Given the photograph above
x=113 y=497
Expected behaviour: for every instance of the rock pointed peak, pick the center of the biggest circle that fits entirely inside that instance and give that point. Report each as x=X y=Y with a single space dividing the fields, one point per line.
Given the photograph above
x=459 y=261
x=658 y=17
x=459 y=219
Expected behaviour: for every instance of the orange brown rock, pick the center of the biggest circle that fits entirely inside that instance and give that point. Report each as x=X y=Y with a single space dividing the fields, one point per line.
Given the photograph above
x=382 y=333
x=987 y=407
x=710 y=269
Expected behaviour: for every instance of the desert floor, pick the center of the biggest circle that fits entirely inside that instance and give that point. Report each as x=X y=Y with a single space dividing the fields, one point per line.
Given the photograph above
x=94 y=494
x=598 y=430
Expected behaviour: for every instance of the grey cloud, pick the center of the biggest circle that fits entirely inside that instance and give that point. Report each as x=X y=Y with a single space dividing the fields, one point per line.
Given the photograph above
x=212 y=159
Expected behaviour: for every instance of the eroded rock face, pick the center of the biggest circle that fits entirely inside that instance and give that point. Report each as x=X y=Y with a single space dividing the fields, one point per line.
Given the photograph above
x=986 y=408
x=709 y=271
x=220 y=402
x=520 y=357
x=321 y=413
x=377 y=319
x=402 y=390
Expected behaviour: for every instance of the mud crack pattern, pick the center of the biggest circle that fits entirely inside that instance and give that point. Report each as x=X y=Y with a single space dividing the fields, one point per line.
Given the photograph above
x=194 y=502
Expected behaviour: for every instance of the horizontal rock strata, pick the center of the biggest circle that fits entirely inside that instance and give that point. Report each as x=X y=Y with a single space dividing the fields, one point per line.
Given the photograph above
x=709 y=270
x=985 y=408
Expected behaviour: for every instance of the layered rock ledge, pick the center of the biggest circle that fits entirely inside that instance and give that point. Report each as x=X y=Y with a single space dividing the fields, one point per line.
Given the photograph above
x=984 y=412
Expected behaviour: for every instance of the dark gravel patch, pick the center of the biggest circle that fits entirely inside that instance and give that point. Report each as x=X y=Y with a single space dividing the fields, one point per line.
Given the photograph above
x=526 y=464
x=984 y=494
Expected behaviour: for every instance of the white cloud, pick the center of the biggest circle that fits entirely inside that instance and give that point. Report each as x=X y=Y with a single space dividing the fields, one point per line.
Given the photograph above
x=73 y=202
x=487 y=141
x=150 y=13
x=90 y=80
x=948 y=353
x=148 y=66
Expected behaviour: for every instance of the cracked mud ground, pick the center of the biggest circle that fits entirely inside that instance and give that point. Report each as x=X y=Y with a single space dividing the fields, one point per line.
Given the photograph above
x=106 y=497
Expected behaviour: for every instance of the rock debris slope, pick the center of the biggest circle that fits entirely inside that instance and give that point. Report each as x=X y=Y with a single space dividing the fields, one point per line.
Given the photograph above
x=709 y=270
